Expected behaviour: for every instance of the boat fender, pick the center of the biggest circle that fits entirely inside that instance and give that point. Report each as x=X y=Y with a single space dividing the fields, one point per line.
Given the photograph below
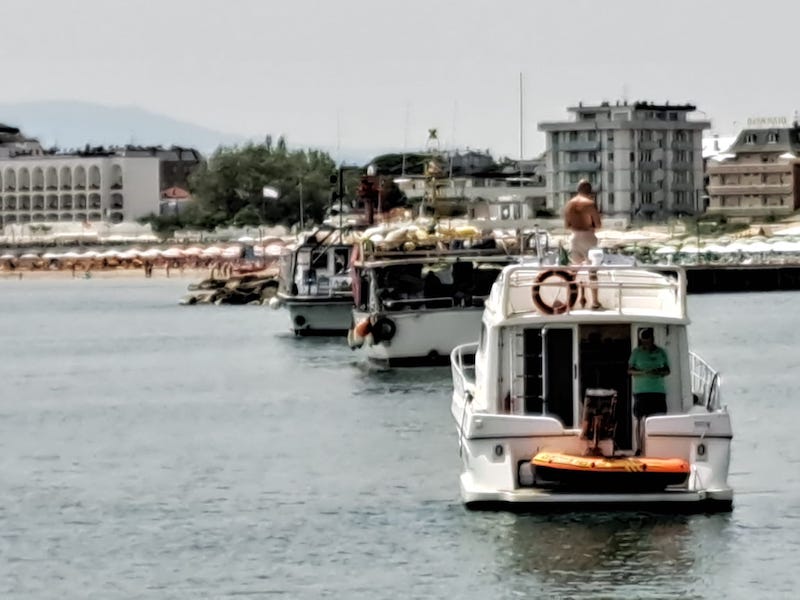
x=557 y=307
x=383 y=329
x=362 y=329
x=353 y=340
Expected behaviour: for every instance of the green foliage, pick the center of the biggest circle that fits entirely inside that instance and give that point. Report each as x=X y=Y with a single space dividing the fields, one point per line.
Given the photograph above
x=247 y=217
x=229 y=188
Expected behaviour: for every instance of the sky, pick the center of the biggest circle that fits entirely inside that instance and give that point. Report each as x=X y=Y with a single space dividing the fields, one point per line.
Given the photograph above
x=365 y=74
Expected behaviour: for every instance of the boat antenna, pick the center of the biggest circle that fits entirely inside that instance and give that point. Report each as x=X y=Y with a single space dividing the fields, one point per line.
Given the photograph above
x=521 y=128
x=405 y=140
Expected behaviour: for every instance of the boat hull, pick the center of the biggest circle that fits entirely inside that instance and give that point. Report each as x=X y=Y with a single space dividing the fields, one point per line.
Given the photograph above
x=422 y=337
x=319 y=317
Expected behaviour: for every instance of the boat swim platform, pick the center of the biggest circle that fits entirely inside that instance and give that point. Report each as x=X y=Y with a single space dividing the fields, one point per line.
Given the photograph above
x=541 y=500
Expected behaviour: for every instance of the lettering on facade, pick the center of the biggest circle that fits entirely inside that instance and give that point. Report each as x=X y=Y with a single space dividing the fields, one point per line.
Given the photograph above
x=767 y=122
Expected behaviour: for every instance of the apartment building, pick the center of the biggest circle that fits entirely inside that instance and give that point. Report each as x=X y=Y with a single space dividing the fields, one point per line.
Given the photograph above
x=643 y=159
x=758 y=176
x=94 y=184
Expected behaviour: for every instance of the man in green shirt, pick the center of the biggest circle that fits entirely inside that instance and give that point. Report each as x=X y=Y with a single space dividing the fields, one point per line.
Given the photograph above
x=648 y=366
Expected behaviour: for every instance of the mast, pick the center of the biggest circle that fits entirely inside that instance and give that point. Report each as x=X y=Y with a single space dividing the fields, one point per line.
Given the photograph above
x=521 y=126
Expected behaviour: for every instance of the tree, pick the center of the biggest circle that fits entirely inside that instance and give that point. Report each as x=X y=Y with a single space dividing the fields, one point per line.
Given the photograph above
x=234 y=178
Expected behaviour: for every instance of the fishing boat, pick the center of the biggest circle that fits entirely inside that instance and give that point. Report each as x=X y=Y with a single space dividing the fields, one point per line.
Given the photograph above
x=543 y=406
x=420 y=292
x=315 y=285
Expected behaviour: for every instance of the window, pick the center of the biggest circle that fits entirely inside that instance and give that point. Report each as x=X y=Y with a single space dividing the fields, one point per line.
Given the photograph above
x=772 y=138
x=592 y=156
x=573 y=156
x=574 y=177
x=573 y=136
x=645 y=156
x=647 y=197
x=680 y=197
x=680 y=136
x=611 y=198
x=611 y=136
x=611 y=157
x=591 y=136
x=610 y=177
x=750 y=138
x=673 y=116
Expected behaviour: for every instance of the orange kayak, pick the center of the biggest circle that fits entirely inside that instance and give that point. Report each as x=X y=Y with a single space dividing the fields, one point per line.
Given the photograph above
x=610 y=473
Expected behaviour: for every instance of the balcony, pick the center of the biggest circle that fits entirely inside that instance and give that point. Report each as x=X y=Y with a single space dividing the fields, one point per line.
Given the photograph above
x=748 y=168
x=682 y=145
x=579 y=146
x=682 y=165
x=682 y=186
x=649 y=165
x=750 y=211
x=649 y=145
x=761 y=189
x=580 y=165
x=650 y=186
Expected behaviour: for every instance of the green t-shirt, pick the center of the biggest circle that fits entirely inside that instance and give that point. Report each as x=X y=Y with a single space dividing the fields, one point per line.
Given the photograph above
x=644 y=360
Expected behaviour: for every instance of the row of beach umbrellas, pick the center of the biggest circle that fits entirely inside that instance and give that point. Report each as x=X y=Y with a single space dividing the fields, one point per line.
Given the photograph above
x=212 y=252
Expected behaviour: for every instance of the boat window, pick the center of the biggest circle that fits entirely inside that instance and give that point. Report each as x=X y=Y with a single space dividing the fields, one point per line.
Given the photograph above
x=341 y=260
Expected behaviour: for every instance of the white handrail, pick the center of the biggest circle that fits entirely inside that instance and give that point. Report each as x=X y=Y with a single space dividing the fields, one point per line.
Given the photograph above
x=706 y=382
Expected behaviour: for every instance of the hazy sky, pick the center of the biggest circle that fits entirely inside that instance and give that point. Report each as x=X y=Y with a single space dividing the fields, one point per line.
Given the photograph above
x=377 y=74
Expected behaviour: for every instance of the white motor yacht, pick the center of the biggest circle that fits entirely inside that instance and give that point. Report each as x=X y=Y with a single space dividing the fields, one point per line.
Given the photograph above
x=543 y=406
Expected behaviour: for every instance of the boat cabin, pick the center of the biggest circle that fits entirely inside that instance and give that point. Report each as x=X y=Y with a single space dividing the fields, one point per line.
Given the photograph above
x=431 y=282
x=316 y=269
x=533 y=361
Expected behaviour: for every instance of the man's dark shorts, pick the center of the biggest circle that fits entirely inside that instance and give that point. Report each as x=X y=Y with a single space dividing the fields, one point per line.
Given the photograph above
x=649 y=403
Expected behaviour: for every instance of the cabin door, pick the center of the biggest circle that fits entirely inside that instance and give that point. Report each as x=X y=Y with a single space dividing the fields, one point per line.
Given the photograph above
x=550 y=372
x=604 y=350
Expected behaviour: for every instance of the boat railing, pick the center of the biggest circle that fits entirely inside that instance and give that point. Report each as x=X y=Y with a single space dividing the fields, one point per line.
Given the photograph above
x=706 y=383
x=462 y=362
x=634 y=291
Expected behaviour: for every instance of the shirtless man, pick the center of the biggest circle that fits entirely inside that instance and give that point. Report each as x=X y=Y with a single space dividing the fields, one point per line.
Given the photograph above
x=582 y=218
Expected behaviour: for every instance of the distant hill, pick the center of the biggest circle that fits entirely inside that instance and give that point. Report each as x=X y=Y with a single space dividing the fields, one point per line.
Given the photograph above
x=71 y=124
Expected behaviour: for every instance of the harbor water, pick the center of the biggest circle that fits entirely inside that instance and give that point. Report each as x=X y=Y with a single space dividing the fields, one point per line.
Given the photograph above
x=150 y=450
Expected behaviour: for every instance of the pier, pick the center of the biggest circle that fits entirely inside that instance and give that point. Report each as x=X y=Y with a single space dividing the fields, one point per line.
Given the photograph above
x=704 y=279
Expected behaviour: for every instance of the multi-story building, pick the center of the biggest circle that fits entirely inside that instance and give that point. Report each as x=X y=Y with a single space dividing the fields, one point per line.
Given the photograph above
x=644 y=160
x=97 y=184
x=758 y=176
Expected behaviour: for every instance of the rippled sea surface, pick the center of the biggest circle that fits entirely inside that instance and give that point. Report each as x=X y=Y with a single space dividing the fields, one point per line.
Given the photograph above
x=150 y=450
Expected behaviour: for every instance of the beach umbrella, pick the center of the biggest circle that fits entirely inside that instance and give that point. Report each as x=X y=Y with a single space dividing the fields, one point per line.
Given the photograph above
x=666 y=250
x=51 y=256
x=172 y=253
x=7 y=256
x=212 y=251
x=757 y=248
x=151 y=253
x=690 y=249
x=193 y=251
x=232 y=251
x=130 y=254
x=715 y=248
x=108 y=254
x=246 y=239
x=29 y=256
x=88 y=254
x=786 y=246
